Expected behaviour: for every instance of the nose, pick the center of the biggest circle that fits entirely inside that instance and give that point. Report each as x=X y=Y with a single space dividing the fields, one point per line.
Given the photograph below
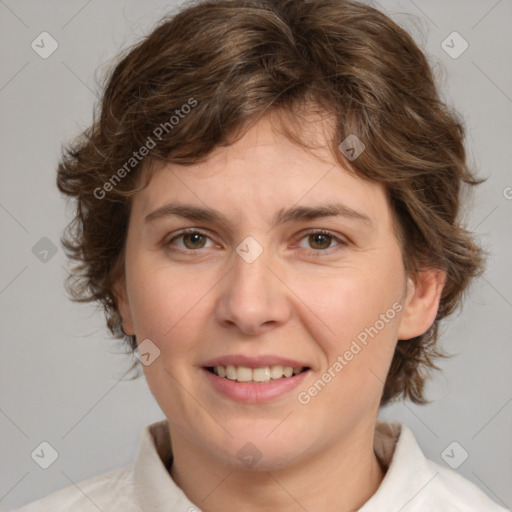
x=253 y=297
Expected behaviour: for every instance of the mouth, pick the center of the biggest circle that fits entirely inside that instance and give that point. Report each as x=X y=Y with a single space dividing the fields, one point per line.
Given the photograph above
x=254 y=379
x=260 y=375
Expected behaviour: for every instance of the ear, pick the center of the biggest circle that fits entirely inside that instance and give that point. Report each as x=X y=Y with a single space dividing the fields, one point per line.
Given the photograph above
x=123 y=306
x=421 y=303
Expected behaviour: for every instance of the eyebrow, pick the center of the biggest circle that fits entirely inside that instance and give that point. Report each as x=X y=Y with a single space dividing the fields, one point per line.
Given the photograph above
x=293 y=214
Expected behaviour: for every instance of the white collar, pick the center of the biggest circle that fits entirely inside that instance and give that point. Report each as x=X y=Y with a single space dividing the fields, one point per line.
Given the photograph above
x=411 y=483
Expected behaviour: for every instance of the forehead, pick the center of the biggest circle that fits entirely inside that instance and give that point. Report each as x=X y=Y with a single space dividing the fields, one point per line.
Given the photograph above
x=263 y=172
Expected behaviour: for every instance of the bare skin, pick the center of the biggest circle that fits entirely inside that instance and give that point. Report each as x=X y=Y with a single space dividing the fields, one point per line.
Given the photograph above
x=305 y=297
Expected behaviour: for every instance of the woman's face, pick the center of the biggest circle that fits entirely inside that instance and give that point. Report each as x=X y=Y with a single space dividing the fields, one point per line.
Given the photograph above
x=260 y=286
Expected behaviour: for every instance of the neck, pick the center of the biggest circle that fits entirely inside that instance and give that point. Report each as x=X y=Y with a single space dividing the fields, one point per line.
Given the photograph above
x=340 y=479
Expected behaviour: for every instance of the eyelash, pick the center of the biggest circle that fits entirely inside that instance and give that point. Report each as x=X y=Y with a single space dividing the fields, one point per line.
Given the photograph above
x=313 y=252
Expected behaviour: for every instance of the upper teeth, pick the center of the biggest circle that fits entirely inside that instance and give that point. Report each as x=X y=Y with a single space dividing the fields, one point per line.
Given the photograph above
x=263 y=374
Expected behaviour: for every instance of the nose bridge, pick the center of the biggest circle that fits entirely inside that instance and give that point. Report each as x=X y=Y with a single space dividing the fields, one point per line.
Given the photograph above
x=252 y=296
x=250 y=273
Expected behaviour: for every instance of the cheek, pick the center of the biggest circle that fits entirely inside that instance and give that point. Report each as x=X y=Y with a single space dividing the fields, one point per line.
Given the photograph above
x=359 y=310
x=350 y=302
x=168 y=308
x=364 y=319
x=162 y=299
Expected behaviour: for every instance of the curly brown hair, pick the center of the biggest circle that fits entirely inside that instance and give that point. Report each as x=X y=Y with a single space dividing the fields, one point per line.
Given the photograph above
x=206 y=72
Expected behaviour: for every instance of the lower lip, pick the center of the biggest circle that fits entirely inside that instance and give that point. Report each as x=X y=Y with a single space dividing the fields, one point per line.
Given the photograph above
x=254 y=393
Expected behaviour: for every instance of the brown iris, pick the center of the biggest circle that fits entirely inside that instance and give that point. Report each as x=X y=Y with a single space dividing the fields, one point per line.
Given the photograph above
x=320 y=239
x=194 y=238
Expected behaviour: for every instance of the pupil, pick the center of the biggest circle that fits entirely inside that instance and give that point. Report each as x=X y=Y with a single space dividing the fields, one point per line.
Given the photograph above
x=323 y=240
x=195 y=238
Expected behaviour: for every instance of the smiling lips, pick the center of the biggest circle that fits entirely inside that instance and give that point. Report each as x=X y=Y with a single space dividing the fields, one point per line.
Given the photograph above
x=262 y=374
x=262 y=369
x=254 y=384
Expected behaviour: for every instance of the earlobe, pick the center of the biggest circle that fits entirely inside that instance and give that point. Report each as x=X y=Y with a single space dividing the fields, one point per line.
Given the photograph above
x=123 y=306
x=421 y=303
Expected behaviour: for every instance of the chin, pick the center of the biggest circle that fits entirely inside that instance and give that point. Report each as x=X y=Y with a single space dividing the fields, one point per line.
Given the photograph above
x=250 y=458
x=255 y=452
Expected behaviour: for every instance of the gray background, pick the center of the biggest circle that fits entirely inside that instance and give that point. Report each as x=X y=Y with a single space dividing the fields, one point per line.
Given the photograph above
x=61 y=378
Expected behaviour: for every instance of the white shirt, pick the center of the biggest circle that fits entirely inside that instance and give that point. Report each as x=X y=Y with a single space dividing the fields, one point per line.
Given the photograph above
x=412 y=483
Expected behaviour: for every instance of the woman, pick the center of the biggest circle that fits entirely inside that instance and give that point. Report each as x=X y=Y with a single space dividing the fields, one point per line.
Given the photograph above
x=267 y=209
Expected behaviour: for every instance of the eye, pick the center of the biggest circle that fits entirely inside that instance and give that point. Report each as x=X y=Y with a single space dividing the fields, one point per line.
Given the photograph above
x=192 y=240
x=321 y=240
